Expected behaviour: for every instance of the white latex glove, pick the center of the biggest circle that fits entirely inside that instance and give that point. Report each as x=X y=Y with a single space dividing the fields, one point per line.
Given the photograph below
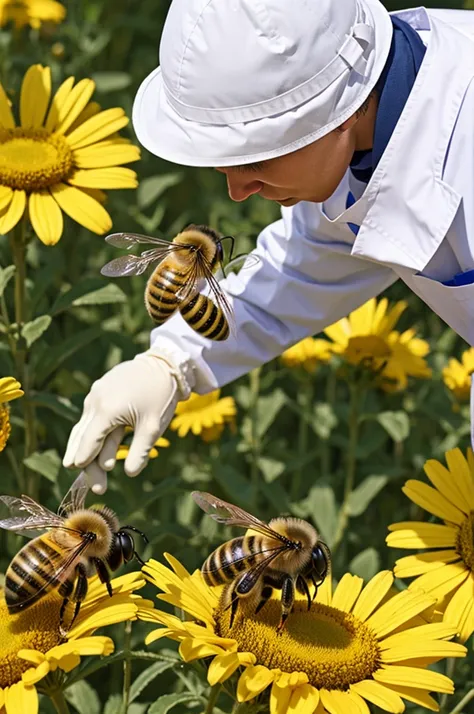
x=141 y=393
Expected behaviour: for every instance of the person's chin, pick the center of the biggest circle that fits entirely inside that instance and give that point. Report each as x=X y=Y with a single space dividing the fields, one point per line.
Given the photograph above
x=289 y=202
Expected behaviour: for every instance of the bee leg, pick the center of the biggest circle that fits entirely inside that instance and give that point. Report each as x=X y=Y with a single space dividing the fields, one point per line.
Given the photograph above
x=302 y=587
x=103 y=574
x=135 y=530
x=287 y=600
x=80 y=591
x=315 y=587
x=265 y=597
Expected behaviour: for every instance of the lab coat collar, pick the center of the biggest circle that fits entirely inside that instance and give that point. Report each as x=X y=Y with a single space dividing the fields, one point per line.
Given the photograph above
x=409 y=206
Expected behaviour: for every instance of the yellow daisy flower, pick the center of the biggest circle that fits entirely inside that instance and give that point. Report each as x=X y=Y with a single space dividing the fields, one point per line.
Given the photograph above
x=31 y=12
x=457 y=375
x=10 y=389
x=355 y=644
x=123 y=449
x=446 y=567
x=31 y=646
x=204 y=415
x=307 y=354
x=60 y=156
x=366 y=337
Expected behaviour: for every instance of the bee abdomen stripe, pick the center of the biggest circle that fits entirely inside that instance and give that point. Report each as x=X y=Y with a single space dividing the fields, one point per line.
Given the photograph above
x=14 y=592
x=221 y=330
x=31 y=576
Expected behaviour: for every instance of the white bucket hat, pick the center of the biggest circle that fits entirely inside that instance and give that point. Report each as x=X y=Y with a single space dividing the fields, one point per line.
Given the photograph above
x=242 y=81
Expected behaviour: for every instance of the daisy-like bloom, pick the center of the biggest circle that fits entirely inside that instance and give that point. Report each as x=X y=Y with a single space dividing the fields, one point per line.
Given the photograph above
x=367 y=337
x=446 y=567
x=60 y=156
x=204 y=415
x=354 y=645
x=123 y=449
x=457 y=375
x=31 y=646
x=10 y=389
x=307 y=354
x=31 y=12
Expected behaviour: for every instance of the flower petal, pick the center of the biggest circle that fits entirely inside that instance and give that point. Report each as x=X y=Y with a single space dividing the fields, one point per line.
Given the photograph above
x=431 y=631
x=253 y=681
x=417 y=534
x=460 y=610
x=6 y=117
x=191 y=648
x=420 y=649
x=398 y=611
x=74 y=104
x=97 y=128
x=373 y=593
x=108 y=178
x=223 y=666
x=442 y=479
x=413 y=677
x=379 y=695
x=56 y=111
x=10 y=388
x=34 y=96
x=432 y=501
x=33 y=675
x=10 y=216
x=46 y=217
x=98 y=156
x=82 y=208
x=347 y=592
x=6 y=195
x=441 y=581
x=412 y=565
x=304 y=699
x=20 y=699
x=417 y=696
x=338 y=702
x=464 y=480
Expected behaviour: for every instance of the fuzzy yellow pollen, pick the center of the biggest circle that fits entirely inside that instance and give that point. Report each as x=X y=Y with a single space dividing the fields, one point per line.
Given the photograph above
x=33 y=159
x=36 y=628
x=333 y=648
x=465 y=541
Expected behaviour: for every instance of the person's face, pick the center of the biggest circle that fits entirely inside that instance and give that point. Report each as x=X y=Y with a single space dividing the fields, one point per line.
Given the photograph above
x=309 y=174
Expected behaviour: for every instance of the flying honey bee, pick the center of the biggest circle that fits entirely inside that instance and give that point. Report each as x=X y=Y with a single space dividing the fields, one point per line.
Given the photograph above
x=285 y=554
x=78 y=542
x=186 y=265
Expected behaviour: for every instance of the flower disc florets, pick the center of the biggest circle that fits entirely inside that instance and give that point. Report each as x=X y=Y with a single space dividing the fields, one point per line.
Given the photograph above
x=33 y=159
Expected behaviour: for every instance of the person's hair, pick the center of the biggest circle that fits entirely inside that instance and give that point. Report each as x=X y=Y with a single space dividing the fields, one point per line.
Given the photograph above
x=365 y=106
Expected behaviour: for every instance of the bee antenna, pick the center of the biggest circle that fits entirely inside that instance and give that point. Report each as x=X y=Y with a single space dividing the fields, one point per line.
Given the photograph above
x=135 y=530
x=232 y=239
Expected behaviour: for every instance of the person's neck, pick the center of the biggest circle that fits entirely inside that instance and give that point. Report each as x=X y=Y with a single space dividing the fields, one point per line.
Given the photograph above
x=365 y=126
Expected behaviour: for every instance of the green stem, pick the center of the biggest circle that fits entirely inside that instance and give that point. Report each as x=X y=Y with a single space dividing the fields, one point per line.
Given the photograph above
x=127 y=668
x=60 y=704
x=95 y=666
x=18 y=249
x=213 y=697
x=353 y=428
x=305 y=401
x=325 y=444
x=450 y=669
x=465 y=700
x=254 y=435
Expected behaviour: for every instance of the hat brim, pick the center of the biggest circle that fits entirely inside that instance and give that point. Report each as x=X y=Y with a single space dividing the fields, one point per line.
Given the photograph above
x=161 y=130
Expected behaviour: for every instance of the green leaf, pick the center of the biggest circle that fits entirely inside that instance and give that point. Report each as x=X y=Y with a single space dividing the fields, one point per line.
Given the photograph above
x=146 y=677
x=61 y=406
x=396 y=424
x=93 y=291
x=324 y=419
x=270 y=468
x=168 y=701
x=61 y=352
x=365 y=564
x=83 y=698
x=34 y=329
x=113 y=704
x=321 y=508
x=151 y=188
x=5 y=276
x=47 y=463
x=364 y=493
x=267 y=410
x=111 y=81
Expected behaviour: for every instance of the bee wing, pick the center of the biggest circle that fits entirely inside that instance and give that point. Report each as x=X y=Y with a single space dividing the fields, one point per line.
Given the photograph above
x=130 y=240
x=127 y=265
x=231 y=515
x=38 y=520
x=75 y=498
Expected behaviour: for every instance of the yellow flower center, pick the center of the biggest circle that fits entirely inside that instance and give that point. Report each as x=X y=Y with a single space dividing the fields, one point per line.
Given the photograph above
x=333 y=648
x=465 y=541
x=366 y=349
x=5 y=427
x=33 y=159
x=36 y=628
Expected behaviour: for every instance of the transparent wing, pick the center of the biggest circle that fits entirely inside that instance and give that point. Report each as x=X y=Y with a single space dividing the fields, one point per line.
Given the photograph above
x=201 y=271
x=38 y=519
x=231 y=515
x=241 y=262
x=130 y=240
x=75 y=498
x=128 y=265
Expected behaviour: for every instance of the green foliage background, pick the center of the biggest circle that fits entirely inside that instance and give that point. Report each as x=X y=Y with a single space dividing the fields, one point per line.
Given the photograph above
x=289 y=454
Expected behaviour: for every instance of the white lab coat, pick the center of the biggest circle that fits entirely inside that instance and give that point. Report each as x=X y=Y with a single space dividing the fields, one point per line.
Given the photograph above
x=416 y=219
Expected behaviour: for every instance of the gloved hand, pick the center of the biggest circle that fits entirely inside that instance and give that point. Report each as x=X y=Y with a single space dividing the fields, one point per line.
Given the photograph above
x=141 y=393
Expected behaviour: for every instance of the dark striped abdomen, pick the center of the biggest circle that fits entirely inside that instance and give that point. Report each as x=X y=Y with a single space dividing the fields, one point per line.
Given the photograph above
x=230 y=559
x=31 y=574
x=160 y=293
x=205 y=317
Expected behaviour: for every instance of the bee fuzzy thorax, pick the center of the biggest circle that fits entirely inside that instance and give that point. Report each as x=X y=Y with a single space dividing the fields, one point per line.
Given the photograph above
x=203 y=238
x=102 y=523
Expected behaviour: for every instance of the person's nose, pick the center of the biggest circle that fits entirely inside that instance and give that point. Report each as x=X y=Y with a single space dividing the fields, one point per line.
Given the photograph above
x=241 y=187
